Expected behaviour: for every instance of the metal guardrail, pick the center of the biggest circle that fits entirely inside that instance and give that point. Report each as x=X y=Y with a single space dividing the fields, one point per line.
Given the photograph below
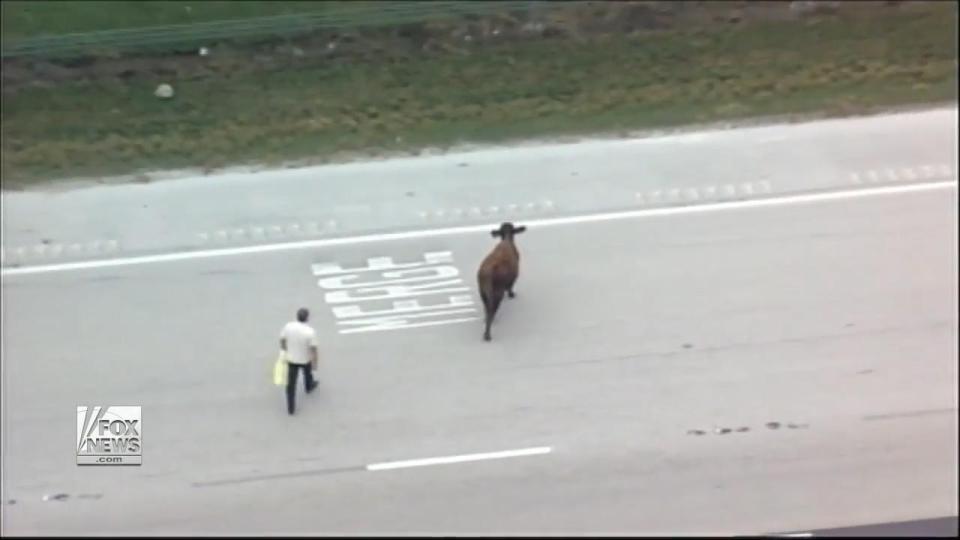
x=174 y=38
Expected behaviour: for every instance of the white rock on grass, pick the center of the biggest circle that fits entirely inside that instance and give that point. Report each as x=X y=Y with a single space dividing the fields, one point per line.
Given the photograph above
x=164 y=91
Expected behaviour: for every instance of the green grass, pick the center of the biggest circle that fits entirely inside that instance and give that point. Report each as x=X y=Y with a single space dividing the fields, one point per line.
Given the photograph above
x=24 y=19
x=496 y=93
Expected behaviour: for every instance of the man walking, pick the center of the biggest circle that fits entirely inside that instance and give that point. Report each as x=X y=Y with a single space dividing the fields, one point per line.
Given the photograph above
x=299 y=341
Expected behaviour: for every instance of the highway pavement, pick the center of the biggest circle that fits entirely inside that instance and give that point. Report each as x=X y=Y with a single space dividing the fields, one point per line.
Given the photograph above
x=740 y=370
x=78 y=221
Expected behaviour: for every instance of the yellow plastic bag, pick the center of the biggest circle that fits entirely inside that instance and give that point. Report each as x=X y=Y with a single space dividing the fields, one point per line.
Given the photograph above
x=280 y=370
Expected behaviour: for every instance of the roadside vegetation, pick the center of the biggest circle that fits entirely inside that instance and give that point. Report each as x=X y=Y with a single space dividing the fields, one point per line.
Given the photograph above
x=494 y=79
x=32 y=18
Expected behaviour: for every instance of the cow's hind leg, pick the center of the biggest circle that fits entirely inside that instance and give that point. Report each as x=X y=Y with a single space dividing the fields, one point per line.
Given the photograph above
x=510 y=292
x=486 y=315
x=492 y=304
x=508 y=285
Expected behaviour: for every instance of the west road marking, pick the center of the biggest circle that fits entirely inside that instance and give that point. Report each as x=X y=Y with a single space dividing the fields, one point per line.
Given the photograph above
x=784 y=200
x=382 y=466
x=385 y=295
x=458 y=459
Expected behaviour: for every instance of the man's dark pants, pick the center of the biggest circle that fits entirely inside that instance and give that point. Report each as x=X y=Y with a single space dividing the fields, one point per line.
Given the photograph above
x=308 y=383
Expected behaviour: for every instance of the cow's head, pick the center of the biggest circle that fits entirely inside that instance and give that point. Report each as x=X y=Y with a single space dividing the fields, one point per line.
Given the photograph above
x=507 y=231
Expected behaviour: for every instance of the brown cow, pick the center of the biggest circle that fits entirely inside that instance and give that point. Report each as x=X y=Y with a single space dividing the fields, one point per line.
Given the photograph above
x=498 y=272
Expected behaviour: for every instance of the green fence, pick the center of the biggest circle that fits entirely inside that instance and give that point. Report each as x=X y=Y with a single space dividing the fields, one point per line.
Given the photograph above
x=184 y=37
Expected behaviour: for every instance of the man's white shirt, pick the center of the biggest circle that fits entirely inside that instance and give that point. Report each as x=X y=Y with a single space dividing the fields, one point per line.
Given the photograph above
x=300 y=338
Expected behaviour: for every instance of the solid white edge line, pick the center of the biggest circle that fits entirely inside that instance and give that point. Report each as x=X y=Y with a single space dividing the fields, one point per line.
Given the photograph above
x=458 y=459
x=449 y=231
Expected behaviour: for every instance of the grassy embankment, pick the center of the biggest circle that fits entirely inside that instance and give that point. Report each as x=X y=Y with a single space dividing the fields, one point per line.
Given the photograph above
x=550 y=86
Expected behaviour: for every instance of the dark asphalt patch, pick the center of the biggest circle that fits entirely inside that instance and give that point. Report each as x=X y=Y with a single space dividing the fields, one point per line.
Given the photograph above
x=260 y=478
x=945 y=527
x=908 y=414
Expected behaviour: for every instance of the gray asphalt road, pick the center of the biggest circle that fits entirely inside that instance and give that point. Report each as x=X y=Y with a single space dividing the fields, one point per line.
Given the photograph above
x=766 y=369
x=49 y=226
x=919 y=528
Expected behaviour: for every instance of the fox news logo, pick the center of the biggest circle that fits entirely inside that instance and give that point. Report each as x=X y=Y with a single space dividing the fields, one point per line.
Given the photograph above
x=108 y=436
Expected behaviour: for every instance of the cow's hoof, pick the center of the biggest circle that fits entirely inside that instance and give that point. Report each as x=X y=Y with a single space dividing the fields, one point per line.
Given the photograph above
x=486 y=337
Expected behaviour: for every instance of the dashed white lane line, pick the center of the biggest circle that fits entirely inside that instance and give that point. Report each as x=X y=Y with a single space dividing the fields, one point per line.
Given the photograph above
x=459 y=459
x=275 y=232
x=702 y=193
x=508 y=209
x=784 y=200
x=47 y=250
x=928 y=172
